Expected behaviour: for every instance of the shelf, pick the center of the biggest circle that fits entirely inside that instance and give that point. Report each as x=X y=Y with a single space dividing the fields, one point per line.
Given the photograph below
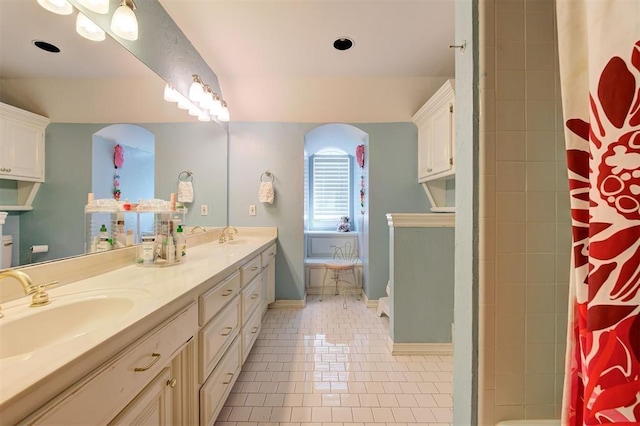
x=15 y=208
x=26 y=194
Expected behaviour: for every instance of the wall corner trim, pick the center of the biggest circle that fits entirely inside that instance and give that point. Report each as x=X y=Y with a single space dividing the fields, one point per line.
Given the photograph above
x=421 y=220
x=369 y=303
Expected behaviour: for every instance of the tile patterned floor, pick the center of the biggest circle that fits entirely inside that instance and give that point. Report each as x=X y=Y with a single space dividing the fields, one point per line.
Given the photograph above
x=329 y=366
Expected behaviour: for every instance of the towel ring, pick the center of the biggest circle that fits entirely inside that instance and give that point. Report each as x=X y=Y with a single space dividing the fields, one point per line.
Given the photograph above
x=268 y=175
x=186 y=176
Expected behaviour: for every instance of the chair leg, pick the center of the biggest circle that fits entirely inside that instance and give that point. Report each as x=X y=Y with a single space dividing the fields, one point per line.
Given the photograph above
x=324 y=282
x=336 y=277
x=355 y=283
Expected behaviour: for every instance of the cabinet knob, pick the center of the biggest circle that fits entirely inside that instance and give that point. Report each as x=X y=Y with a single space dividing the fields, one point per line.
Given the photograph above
x=227 y=292
x=255 y=268
x=9 y=169
x=254 y=296
x=172 y=382
x=227 y=331
x=429 y=169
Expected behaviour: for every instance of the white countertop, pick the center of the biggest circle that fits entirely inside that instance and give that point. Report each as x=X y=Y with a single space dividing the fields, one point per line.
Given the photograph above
x=158 y=292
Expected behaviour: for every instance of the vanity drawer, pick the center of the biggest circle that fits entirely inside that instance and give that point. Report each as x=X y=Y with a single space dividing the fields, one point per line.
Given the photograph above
x=214 y=392
x=250 y=269
x=250 y=332
x=104 y=393
x=216 y=337
x=268 y=255
x=251 y=297
x=213 y=300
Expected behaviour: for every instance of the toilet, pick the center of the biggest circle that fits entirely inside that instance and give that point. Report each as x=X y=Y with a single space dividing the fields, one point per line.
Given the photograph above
x=7 y=246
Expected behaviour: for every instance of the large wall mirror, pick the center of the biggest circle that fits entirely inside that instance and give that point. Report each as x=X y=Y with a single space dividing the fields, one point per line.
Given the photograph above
x=84 y=89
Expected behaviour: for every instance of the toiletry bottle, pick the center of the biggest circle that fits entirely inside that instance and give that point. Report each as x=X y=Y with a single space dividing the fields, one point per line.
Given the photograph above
x=171 y=250
x=148 y=249
x=129 y=238
x=104 y=244
x=120 y=232
x=181 y=244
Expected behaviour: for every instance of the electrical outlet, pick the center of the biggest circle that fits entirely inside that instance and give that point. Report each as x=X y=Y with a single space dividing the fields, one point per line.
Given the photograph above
x=204 y=210
x=252 y=209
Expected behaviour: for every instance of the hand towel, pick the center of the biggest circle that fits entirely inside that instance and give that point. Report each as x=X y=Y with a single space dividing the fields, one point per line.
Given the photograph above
x=185 y=192
x=265 y=194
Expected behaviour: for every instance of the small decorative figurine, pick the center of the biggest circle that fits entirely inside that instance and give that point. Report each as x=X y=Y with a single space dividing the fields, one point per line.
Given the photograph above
x=344 y=225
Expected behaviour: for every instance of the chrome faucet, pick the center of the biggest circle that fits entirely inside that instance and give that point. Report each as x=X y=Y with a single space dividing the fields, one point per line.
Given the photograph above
x=40 y=297
x=195 y=228
x=229 y=236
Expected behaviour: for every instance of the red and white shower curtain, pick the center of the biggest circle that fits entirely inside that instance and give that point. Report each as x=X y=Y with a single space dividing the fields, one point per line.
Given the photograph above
x=599 y=47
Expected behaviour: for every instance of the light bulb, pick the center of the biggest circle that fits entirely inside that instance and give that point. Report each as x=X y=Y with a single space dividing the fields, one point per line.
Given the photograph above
x=59 y=7
x=196 y=91
x=204 y=117
x=224 y=113
x=183 y=103
x=170 y=94
x=207 y=99
x=88 y=29
x=216 y=106
x=194 y=110
x=97 y=6
x=124 y=23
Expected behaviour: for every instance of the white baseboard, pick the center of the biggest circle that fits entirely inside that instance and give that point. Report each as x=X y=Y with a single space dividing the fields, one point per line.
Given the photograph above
x=419 y=348
x=288 y=304
x=314 y=291
x=369 y=303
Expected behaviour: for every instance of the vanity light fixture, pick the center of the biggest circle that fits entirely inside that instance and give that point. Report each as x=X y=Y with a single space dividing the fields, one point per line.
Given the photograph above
x=196 y=91
x=60 y=7
x=183 y=103
x=124 y=23
x=216 y=107
x=97 y=6
x=88 y=29
x=206 y=101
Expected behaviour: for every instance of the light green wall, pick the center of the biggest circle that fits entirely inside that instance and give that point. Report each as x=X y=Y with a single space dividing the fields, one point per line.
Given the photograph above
x=279 y=148
x=421 y=284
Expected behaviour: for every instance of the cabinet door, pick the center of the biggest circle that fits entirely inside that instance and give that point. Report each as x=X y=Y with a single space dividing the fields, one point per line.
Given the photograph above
x=152 y=406
x=435 y=143
x=22 y=148
x=440 y=155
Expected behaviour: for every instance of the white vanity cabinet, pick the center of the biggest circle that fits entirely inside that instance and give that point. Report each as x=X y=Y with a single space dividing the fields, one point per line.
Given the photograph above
x=135 y=376
x=21 y=144
x=436 y=142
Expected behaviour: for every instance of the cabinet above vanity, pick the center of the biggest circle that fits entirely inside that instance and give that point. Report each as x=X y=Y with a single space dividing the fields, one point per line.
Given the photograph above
x=21 y=155
x=436 y=147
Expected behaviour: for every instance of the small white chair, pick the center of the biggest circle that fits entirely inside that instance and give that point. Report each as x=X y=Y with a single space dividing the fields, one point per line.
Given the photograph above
x=343 y=263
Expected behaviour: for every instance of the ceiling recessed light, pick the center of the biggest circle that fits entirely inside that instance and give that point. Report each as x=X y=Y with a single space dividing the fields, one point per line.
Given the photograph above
x=46 y=46
x=343 y=43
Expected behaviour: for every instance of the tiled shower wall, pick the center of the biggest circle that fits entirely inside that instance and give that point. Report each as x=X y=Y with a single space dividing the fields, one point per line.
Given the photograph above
x=525 y=217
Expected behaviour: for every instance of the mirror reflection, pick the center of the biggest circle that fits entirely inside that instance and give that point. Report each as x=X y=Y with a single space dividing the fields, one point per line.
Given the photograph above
x=89 y=92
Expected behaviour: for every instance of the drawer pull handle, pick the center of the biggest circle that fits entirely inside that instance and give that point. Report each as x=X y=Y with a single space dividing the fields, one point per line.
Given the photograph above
x=230 y=379
x=172 y=382
x=228 y=332
x=254 y=296
x=272 y=254
x=254 y=330
x=156 y=357
x=227 y=292
x=255 y=268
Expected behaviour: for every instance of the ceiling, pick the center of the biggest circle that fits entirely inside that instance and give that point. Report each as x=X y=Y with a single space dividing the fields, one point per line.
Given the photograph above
x=274 y=61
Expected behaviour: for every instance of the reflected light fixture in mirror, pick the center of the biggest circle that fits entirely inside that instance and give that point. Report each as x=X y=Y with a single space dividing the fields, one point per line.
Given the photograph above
x=97 y=6
x=60 y=7
x=87 y=29
x=224 y=112
x=124 y=23
x=196 y=91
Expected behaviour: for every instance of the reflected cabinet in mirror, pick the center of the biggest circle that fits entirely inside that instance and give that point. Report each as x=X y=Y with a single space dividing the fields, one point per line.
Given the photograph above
x=98 y=95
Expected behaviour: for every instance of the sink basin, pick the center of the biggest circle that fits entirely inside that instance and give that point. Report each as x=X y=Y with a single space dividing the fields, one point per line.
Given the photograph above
x=238 y=242
x=33 y=328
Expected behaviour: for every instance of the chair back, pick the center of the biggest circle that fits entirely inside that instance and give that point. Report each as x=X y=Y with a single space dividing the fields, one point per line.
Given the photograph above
x=346 y=254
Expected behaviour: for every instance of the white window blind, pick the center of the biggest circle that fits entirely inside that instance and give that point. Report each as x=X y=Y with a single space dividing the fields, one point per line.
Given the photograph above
x=331 y=178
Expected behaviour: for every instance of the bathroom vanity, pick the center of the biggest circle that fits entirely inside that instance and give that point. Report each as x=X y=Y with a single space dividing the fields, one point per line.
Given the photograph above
x=136 y=344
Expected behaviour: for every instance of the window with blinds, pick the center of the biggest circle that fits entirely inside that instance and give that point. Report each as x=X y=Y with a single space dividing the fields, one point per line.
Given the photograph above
x=330 y=183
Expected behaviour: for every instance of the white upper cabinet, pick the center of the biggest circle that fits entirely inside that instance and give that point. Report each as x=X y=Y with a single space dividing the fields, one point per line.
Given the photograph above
x=436 y=143
x=21 y=144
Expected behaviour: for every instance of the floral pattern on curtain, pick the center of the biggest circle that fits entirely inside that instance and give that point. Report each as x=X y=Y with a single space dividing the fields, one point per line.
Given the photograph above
x=599 y=44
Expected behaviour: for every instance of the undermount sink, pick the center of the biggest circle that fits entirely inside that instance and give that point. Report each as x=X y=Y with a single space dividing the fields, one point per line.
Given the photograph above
x=69 y=318
x=237 y=242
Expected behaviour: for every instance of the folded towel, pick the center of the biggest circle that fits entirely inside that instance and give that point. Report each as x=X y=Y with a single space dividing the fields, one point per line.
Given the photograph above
x=185 y=192
x=265 y=194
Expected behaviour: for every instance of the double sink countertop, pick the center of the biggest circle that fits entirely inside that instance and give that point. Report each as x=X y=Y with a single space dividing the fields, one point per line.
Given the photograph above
x=89 y=321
